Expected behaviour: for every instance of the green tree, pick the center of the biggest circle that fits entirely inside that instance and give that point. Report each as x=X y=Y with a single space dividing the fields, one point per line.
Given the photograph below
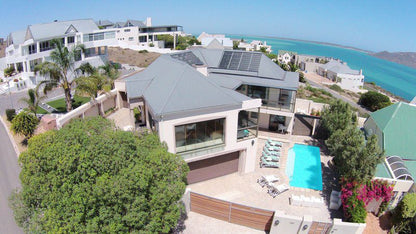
x=404 y=214
x=373 y=100
x=235 y=44
x=33 y=99
x=337 y=116
x=60 y=69
x=353 y=157
x=110 y=72
x=9 y=71
x=90 y=177
x=302 y=77
x=25 y=123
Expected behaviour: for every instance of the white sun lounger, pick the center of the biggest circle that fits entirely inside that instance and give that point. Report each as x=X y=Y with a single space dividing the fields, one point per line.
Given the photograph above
x=268 y=179
x=275 y=190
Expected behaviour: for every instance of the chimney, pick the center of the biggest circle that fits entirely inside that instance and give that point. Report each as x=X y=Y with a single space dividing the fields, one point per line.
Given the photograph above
x=149 y=22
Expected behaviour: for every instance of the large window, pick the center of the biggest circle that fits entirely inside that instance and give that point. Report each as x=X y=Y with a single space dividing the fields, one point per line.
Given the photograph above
x=247 y=125
x=199 y=135
x=99 y=36
x=282 y=99
x=142 y=38
x=71 y=40
x=32 y=49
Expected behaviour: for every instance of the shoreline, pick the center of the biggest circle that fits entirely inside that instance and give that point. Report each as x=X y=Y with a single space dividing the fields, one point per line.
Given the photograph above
x=308 y=41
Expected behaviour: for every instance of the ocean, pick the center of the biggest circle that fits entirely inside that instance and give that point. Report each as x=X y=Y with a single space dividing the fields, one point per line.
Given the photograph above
x=395 y=78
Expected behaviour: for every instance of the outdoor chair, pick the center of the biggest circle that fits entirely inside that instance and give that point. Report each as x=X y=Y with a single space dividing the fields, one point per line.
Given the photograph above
x=272 y=148
x=265 y=163
x=276 y=190
x=273 y=142
x=270 y=152
x=266 y=180
x=270 y=157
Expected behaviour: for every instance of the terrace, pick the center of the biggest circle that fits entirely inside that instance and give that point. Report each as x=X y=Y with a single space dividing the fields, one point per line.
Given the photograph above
x=245 y=190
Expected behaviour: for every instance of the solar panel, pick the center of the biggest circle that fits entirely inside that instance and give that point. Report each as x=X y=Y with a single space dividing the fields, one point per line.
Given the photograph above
x=226 y=57
x=188 y=57
x=245 y=62
x=241 y=61
x=235 y=60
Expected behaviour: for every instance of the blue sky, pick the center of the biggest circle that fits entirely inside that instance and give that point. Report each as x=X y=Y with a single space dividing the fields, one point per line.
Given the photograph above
x=372 y=24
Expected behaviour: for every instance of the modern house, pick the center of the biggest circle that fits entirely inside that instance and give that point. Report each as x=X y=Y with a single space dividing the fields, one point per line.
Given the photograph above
x=395 y=128
x=207 y=106
x=341 y=73
x=142 y=33
x=27 y=48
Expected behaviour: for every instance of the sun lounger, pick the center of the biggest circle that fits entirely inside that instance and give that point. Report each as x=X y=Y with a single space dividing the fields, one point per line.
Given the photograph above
x=270 y=152
x=265 y=163
x=272 y=148
x=270 y=157
x=273 y=142
x=266 y=180
x=295 y=200
x=335 y=200
x=276 y=190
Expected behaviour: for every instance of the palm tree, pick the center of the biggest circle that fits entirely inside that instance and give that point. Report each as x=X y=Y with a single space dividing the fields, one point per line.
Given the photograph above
x=110 y=71
x=60 y=70
x=33 y=99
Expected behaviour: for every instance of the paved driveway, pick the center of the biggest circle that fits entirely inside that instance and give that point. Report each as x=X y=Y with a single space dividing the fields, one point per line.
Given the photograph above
x=9 y=180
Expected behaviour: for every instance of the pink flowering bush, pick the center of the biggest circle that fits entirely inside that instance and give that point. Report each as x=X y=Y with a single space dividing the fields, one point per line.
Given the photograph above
x=355 y=197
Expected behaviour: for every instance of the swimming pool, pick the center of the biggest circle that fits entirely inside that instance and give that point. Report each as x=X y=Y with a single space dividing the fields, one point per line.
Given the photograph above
x=303 y=167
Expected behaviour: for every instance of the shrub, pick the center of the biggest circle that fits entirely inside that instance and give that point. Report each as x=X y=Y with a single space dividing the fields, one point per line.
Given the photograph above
x=143 y=51
x=336 y=88
x=8 y=71
x=151 y=45
x=25 y=123
x=374 y=100
x=10 y=113
x=404 y=213
x=302 y=77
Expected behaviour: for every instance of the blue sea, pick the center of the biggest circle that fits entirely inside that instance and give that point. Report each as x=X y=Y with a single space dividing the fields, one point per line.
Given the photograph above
x=396 y=78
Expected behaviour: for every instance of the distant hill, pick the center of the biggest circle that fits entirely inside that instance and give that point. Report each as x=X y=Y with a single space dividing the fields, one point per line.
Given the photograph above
x=405 y=58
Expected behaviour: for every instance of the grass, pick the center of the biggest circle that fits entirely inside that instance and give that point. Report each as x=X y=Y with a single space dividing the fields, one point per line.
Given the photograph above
x=40 y=110
x=314 y=94
x=60 y=104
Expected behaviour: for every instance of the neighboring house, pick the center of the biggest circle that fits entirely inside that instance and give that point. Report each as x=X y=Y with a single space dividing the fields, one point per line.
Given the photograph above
x=207 y=39
x=341 y=73
x=286 y=57
x=142 y=33
x=395 y=128
x=207 y=106
x=27 y=48
x=254 y=46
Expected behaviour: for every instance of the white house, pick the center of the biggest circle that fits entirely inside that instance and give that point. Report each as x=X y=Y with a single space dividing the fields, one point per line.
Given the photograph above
x=141 y=33
x=208 y=104
x=29 y=47
x=206 y=39
x=255 y=46
x=286 y=57
x=341 y=73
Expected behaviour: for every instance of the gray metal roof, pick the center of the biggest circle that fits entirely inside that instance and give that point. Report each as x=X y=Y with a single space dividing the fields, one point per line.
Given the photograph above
x=138 y=23
x=210 y=57
x=104 y=23
x=17 y=37
x=338 y=67
x=187 y=57
x=59 y=28
x=174 y=89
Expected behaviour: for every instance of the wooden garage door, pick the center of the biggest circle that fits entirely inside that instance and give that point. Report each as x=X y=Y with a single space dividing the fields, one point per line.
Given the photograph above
x=213 y=167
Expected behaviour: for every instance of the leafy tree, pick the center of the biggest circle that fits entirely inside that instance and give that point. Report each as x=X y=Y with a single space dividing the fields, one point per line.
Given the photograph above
x=302 y=77
x=90 y=177
x=404 y=214
x=60 y=70
x=25 y=123
x=353 y=157
x=10 y=114
x=337 y=116
x=33 y=99
x=373 y=100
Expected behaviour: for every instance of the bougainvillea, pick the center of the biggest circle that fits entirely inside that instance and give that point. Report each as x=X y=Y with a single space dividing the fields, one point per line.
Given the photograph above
x=355 y=196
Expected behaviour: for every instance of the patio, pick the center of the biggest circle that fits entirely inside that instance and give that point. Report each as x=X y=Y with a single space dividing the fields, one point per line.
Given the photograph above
x=244 y=188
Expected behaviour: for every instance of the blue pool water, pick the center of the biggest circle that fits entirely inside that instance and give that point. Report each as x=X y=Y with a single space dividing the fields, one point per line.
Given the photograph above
x=303 y=167
x=396 y=78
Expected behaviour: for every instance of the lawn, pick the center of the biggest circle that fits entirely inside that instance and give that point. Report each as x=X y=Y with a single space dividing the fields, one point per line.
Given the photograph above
x=40 y=110
x=60 y=104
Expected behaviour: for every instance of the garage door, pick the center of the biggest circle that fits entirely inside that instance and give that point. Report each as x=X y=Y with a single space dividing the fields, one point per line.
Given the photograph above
x=213 y=167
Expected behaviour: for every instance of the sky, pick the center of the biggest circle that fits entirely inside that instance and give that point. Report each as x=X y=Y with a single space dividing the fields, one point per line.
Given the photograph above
x=374 y=25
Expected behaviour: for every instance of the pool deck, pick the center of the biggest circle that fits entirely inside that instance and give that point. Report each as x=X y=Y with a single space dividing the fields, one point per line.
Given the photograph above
x=243 y=188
